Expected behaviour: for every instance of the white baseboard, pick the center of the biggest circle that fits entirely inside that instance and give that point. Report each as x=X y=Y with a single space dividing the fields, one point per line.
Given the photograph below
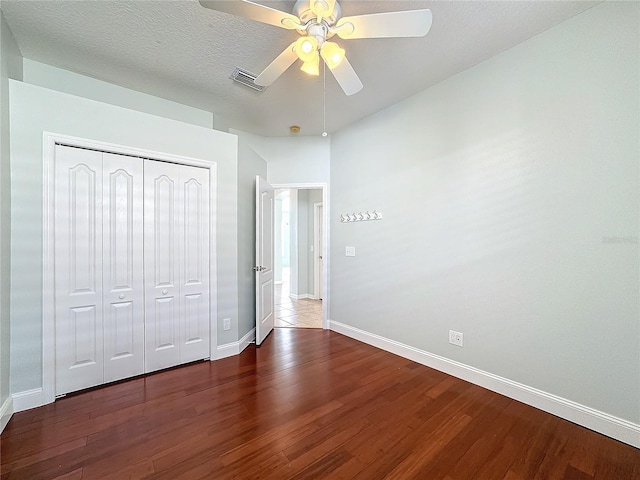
x=235 y=348
x=37 y=397
x=245 y=341
x=29 y=399
x=601 y=422
x=6 y=411
x=301 y=296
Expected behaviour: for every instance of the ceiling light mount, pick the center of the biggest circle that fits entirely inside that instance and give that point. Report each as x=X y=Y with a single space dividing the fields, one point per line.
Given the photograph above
x=302 y=10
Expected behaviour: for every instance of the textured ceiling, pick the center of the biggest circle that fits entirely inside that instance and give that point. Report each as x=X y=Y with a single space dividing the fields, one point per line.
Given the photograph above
x=183 y=52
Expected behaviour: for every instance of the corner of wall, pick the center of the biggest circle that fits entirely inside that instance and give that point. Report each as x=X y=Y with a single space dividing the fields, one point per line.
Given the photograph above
x=10 y=67
x=250 y=164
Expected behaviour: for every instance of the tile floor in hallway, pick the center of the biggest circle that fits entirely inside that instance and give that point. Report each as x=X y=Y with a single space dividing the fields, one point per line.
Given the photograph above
x=303 y=313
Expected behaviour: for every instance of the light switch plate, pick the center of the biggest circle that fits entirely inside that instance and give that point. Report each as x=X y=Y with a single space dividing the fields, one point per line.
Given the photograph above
x=349 y=251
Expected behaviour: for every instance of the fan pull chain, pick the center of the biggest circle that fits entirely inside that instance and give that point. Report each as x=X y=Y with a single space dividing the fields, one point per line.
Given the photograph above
x=324 y=99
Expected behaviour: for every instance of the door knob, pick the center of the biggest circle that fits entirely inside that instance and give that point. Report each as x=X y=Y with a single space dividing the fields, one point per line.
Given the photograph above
x=121 y=296
x=164 y=292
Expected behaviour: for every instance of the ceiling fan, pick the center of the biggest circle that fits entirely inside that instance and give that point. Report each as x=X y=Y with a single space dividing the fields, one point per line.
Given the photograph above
x=317 y=21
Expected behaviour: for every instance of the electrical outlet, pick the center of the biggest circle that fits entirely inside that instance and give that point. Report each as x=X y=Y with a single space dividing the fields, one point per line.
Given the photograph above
x=456 y=338
x=226 y=324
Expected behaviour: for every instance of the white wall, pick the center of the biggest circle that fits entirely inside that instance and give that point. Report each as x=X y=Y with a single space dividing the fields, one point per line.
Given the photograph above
x=10 y=67
x=510 y=196
x=37 y=73
x=34 y=110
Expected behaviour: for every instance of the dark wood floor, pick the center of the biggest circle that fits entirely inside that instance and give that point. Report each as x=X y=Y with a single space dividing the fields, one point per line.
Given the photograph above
x=307 y=404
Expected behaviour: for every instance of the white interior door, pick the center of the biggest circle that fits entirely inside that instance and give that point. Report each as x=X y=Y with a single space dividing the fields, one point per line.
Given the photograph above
x=123 y=280
x=78 y=267
x=194 y=274
x=264 y=259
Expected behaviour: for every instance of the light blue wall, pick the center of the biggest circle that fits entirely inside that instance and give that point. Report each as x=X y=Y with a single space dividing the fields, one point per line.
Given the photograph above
x=510 y=196
x=315 y=196
x=34 y=110
x=304 y=239
x=297 y=159
x=250 y=164
x=293 y=242
x=10 y=67
x=279 y=247
x=37 y=73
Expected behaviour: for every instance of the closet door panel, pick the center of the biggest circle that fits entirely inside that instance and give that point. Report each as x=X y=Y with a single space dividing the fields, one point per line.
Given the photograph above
x=78 y=267
x=195 y=265
x=123 y=266
x=162 y=225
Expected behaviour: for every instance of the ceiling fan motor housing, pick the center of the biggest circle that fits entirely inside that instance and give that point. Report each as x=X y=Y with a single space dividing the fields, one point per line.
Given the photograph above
x=302 y=10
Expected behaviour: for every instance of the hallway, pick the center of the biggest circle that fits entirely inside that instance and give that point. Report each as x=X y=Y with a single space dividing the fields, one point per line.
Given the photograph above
x=302 y=313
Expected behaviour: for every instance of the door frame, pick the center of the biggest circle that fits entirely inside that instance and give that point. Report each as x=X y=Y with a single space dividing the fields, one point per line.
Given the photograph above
x=49 y=142
x=325 y=236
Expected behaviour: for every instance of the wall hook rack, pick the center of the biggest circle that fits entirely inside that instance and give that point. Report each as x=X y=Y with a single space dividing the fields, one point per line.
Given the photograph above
x=360 y=216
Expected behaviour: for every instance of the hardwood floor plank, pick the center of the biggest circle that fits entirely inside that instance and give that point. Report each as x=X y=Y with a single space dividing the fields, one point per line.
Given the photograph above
x=44 y=454
x=307 y=404
x=282 y=435
x=410 y=467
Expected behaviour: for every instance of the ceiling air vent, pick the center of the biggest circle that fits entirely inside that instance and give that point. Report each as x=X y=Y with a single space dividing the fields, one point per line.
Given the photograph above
x=246 y=78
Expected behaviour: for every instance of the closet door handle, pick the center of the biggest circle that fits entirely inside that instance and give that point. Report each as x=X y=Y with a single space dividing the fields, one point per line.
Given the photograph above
x=121 y=296
x=164 y=292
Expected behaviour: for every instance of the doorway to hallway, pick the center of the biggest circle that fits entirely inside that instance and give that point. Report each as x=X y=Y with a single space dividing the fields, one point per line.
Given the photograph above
x=292 y=312
x=297 y=269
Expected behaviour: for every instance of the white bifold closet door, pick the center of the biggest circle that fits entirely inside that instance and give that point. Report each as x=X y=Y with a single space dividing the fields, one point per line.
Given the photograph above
x=176 y=223
x=131 y=266
x=123 y=278
x=98 y=264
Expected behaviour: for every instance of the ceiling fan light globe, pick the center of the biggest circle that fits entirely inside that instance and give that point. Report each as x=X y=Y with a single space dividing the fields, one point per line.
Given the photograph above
x=306 y=48
x=332 y=54
x=312 y=67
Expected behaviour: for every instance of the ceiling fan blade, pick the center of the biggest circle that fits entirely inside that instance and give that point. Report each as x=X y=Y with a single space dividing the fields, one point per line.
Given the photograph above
x=409 y=23
x=254 y=11
x=277 y=67
x=347 y=77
